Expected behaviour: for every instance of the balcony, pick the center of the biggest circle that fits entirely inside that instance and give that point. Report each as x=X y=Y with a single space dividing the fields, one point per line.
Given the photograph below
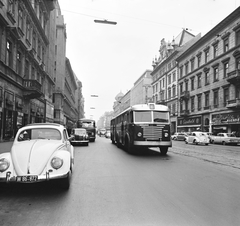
x=235 y=103
x=33 y=89
x=184 y=113
x=185 y=95
x=207 y=108
x=234 y=77
x=163 y=102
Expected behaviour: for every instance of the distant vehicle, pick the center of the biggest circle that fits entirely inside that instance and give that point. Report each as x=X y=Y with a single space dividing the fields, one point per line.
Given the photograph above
x=79 y=136
x=197 y=138
x=179 y=136
x=90 y=126
x=108 y=134
x=102 y=132
x=225 y=138
x=142 y=125
x=40 y=152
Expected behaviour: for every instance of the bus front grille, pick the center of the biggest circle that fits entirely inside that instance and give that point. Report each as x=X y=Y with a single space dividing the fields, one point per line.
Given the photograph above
x=152 y=132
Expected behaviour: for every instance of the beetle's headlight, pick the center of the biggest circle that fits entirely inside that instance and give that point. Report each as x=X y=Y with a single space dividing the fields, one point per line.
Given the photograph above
x=4 y=164
x=139 y=134
x=56 y=163
x=165 y=134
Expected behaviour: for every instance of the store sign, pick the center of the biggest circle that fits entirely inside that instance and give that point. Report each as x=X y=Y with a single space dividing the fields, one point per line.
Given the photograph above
x=190 y=121
x=227 y=118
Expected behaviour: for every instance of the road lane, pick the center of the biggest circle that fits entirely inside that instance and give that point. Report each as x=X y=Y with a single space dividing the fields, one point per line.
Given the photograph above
x=112 y=187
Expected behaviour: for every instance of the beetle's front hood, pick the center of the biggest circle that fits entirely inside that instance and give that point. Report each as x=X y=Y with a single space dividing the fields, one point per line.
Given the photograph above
x=30 y=157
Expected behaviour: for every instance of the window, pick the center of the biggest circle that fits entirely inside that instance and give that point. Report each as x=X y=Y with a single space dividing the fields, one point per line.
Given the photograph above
x=163 y=83
x=192 y=83
x=20 y=18
x=186 y=85
x=181 y=87
x=192 y=64
x=238 y=37
x=199 y=78
x=33 y=73
x=181 y=71
x=26 y=74
x=199 y=60
x=28 y=30
x=186 y=68
x=199 y=102
x=238 y=63
x=169 y=93
x=169 y=79
x=207 y=55
x=207 y=78
x=11 y=7
x=225 y=95
x=215 y=98
x=225 y=69
x=192 y=103
x=9 y=54
x=34 y=40
x=207 y=99
x=174 y=91
x=215 y=51
x=19 y=63
x=174 y=76
x=215 y=74
x=226 y=45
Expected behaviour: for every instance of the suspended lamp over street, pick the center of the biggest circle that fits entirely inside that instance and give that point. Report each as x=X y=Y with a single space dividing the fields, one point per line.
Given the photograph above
x=105 y=22
x=93 y=95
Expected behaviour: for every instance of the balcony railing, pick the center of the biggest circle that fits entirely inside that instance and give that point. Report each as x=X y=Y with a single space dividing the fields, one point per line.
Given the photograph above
x=33 y=89
x=234 y=77
x=235 y=103
x=185 y=95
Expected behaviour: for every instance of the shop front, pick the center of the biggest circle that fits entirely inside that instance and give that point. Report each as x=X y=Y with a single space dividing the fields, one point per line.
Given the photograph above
x=189 y=124
x=226 y=123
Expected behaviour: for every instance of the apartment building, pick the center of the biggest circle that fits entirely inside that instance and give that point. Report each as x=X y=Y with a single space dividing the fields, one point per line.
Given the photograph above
x=28 y=64
x=165 y=73
x=209 y=80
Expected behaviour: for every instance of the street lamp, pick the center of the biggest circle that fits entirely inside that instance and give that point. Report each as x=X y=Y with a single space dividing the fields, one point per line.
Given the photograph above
x=93 y=95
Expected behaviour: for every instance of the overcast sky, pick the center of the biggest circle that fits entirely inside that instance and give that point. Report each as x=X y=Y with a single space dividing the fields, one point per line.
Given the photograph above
x=108 y=59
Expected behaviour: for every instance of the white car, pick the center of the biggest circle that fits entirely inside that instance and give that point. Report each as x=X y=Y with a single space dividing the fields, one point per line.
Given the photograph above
x=40 y=152
x=225 y=138
x=197 y=138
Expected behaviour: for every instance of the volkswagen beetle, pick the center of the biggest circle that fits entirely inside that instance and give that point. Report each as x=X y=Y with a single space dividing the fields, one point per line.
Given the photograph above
x=40 y=152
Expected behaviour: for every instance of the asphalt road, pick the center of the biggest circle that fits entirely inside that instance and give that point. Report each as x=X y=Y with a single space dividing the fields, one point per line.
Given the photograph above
x=110 y=187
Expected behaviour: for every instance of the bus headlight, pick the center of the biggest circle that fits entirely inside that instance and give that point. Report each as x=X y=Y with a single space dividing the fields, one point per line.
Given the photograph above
x=139 y=134
x=165 y=134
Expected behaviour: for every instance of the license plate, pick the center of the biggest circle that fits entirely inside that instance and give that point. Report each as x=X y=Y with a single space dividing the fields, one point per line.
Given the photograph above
x=27 y=179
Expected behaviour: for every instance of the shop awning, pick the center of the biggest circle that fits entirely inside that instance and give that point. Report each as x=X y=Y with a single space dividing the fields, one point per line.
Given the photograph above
x=190 y=126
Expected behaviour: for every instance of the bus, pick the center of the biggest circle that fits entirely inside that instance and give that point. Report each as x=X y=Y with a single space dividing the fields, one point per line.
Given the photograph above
x=142 y=125
x=90 y=126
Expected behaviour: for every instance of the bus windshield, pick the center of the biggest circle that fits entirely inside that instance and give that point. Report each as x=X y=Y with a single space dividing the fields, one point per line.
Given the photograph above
x=147 y=116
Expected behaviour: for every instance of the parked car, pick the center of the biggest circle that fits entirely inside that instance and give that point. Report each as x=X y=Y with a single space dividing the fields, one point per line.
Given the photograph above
x=40 y=152
x=197 y=138
x=108 y=134
x=79 y=136
x=225 y=138
x=179 y=136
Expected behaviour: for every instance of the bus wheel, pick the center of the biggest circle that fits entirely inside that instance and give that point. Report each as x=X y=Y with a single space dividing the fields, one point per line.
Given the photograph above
x=128 y=146
x=163 y=150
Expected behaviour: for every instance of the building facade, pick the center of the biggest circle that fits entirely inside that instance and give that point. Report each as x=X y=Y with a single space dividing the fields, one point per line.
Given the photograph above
x=28 y=63
x=209 y=80
x=165 y=73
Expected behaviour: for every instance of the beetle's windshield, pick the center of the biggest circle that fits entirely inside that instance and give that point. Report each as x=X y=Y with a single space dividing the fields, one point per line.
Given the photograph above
x=39 y=133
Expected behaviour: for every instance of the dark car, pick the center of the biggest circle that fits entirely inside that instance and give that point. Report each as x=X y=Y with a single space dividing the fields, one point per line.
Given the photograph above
x=79 y=136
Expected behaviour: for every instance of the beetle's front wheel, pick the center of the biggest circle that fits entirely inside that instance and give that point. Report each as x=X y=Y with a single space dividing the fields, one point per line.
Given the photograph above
x=163 y=150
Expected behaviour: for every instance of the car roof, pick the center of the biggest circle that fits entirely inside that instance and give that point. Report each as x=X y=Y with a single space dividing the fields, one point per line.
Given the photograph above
x=51 y=125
